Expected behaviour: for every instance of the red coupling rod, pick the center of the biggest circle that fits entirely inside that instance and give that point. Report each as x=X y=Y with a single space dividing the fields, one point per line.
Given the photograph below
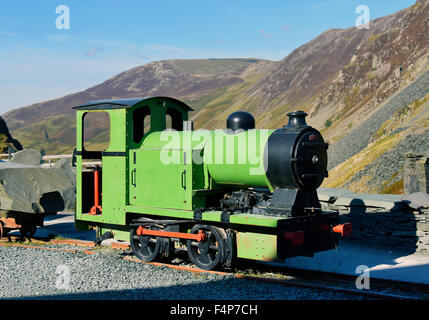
x=200 y=236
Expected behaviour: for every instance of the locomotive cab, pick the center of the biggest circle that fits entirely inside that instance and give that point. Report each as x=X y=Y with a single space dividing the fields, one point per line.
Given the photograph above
x=106 y=168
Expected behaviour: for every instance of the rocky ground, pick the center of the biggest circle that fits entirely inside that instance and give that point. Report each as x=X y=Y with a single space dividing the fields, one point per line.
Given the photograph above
x=358 y=139
x=384 y=167
x=41 y=274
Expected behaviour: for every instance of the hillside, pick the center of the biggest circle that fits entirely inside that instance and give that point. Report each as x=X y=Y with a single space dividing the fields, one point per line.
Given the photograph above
x=366 y=90
x=6 y=140
x=51 y=125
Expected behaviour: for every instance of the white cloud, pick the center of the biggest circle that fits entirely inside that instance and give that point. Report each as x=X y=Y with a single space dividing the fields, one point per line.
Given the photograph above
x=8 y=34
x=286 y=26
x=266 y=34
x=109 y=43
x=58 y=38
x=93 y=52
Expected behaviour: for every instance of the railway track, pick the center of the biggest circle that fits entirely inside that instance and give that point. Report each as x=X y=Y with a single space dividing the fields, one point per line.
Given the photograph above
x=291 y=283
x=317 y=280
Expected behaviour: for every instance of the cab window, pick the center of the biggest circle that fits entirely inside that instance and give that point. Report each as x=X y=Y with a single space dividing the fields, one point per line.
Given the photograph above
x=174 y=119
x=96 y=131
x=141 y=123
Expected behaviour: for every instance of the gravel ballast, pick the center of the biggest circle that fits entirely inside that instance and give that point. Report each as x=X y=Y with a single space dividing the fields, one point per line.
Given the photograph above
x=27 y=273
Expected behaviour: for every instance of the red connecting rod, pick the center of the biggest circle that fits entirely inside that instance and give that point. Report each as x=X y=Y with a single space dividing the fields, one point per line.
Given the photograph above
x=200 y=236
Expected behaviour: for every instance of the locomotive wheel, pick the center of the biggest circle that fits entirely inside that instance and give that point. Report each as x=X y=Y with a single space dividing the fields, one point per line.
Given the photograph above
x=146 y=248
x=3 y=231
x=210 y=253
x=27 y=231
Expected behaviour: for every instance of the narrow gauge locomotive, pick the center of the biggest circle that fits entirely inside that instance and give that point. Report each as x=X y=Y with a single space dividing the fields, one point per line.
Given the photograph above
x=224 y=194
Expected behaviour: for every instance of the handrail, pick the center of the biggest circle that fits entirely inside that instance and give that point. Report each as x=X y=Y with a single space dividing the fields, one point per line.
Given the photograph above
x=44 y=158
x=57 y=156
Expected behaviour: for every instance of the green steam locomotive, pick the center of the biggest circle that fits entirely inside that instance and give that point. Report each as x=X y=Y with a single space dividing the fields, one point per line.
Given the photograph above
x=223 y=194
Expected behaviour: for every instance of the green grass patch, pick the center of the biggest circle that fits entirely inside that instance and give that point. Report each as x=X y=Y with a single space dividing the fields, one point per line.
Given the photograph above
x=374 y=37
x=395 y=188
x=213 y=66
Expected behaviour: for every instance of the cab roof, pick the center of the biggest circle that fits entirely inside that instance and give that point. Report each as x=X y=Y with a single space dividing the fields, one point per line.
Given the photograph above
x=125 y=103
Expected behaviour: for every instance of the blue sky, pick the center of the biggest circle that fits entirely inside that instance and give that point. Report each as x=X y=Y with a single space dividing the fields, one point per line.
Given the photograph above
x=39 y=62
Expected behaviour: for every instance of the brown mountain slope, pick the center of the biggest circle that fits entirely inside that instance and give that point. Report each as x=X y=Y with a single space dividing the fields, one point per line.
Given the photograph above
x=342 y=71
x=391 y=55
